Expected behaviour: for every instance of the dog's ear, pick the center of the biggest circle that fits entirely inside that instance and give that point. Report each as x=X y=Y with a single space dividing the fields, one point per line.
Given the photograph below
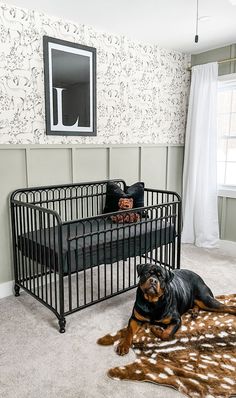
x=139 y=268
x=169 y=275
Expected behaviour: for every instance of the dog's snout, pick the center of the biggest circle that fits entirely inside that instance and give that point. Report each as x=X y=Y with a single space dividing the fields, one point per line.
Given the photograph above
x=153 y=281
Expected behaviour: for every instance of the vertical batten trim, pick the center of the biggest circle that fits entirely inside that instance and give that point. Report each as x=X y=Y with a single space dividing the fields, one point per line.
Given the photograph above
x=167 y=167
x=73 y=164
x=27 y=166
x=140 y=164
x=109 y=162
x=223 y=218
x=232 y=55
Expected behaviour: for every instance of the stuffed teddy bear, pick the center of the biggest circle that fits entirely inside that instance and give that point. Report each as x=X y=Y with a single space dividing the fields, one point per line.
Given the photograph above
x=123 y=204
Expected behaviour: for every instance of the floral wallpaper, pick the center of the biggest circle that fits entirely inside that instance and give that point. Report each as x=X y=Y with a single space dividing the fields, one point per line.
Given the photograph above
x=142 y=90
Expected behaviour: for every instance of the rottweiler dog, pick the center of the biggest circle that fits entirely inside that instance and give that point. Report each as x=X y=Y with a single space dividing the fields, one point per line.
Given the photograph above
x=162 y=297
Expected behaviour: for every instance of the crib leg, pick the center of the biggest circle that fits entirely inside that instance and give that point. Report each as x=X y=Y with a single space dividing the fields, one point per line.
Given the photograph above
x=17 y=290
x=62 y=324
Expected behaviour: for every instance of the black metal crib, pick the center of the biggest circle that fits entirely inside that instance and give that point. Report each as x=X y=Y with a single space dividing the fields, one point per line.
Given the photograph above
x=68 y=254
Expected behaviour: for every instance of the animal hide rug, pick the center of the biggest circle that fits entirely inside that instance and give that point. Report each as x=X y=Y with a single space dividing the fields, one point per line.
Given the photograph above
x=200 y=360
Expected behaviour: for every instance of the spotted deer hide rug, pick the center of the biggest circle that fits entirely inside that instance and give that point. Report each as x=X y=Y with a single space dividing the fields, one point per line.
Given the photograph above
x=200 y=360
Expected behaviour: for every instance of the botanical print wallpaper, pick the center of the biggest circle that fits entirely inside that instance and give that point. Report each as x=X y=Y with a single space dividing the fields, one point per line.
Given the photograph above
x=142 y=90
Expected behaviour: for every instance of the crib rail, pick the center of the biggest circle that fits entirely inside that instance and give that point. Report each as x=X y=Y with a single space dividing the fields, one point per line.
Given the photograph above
x=70 y=201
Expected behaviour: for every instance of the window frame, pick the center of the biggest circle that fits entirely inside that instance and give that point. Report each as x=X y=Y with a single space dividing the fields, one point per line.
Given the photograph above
x=224 y=189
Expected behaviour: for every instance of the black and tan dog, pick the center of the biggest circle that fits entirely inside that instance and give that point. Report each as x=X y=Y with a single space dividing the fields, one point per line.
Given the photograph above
x=162 y=297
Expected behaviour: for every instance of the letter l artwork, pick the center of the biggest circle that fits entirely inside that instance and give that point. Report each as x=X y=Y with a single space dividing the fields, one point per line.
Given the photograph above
x=60 y=124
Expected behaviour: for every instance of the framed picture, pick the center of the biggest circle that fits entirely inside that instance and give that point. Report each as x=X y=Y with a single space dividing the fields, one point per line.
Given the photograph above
x=70 y=87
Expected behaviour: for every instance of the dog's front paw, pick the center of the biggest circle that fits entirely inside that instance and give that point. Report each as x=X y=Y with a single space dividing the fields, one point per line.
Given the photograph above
x=157 y=331
x=122 y=348
x=194 y=312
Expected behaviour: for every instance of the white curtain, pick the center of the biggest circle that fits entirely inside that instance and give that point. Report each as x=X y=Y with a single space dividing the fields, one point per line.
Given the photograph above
x=200 y=215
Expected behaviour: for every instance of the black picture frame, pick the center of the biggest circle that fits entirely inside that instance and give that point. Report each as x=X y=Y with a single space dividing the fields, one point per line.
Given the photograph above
x=70 y=88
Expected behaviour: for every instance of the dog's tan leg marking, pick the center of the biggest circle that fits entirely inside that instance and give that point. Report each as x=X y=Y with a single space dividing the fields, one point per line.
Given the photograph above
x=213 y=305
x=126 y=342
x=194 y=312
x=166 y=321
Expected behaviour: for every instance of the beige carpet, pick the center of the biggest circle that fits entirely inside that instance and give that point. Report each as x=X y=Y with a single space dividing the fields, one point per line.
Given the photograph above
x=38 y=362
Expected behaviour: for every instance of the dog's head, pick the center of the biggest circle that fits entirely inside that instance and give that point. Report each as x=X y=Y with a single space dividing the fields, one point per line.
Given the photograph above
x=153 y=280
x=125 y=203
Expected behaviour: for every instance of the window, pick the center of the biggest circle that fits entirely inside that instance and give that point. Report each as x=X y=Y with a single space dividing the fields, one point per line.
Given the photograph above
x=226 y=126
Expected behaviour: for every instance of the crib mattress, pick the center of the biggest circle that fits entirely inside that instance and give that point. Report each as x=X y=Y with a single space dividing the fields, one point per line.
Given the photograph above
x=99 y=242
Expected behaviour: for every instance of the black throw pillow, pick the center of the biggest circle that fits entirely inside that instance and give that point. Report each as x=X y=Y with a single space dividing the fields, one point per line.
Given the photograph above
x=114 y=193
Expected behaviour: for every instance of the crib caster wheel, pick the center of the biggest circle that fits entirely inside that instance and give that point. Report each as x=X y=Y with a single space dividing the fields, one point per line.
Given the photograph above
x=62 y=324
x=17 y=290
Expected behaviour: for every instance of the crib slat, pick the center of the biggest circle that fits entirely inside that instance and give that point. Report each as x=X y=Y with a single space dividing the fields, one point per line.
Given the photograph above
x=45 y=257
x=77 y=269
x=111 y=245
x=91 y=261
x=18 y=276
x=29 y=259
x=36 y=251
x=69 y=268
x=98 y=262
x=84 y=265
x=23 y=242
x=123 y=261
x=55 y=262
x=105 y=256
x=129 y=257
x=135 y=252
x=161 y=236
x=32 y=250
x=117 y=262
x=49 y=258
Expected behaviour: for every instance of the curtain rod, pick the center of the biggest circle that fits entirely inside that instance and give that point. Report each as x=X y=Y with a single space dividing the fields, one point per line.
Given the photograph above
x=220 y=62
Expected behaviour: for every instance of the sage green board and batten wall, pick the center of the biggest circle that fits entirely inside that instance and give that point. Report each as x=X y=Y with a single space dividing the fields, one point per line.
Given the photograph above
x=227 y=218
x=22 y=166
x=218 y=54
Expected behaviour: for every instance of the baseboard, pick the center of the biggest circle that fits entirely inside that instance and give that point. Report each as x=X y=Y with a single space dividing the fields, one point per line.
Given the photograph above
x=6 y=289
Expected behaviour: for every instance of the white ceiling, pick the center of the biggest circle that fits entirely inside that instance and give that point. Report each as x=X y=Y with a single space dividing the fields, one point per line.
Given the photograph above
x=168 y=23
